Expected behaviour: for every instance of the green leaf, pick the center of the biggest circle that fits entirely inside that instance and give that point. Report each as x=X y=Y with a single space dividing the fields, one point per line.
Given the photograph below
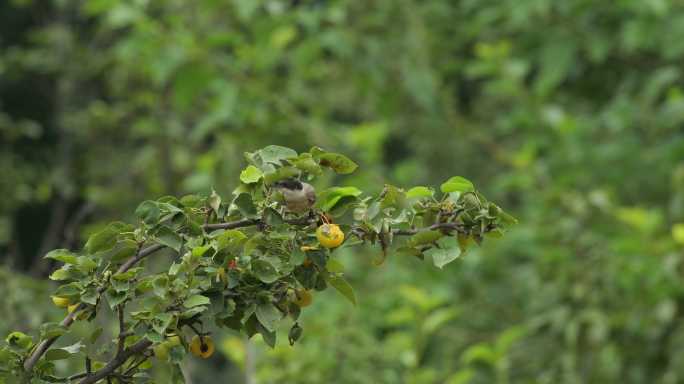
x=197 y=252
x=103 y=240
x=251 y=174
x=230 y=240
x=281 y=173
x=89 y=296
x=148 y=211
x=50 y=330
x=191 y=201
x=196 y=300
x=457 y=184
x=245 y=205
x=63 y=255
x=268 y=315
x=424 y=237
x=123 y=249
x=69 y=290
x=175 y=268
x=330 y=197
x=264 y=271
x=392 y=197
x=268 y=336
x=60 y=274
x=63 y=353
x=86 y=264
x=161 y=322
x=130 y=274
x=114 y=297
x=506 y=218
x=342 y=286
x=419 y=192
x=337 y=162
x=168 y=237
x=95 y=334
x=272 y=217
x=306 y=163
x=449 y=251
x=275 y=154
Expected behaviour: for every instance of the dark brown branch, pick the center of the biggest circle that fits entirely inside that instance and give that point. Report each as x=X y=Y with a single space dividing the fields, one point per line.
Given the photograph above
x=118 y=361
x=231 y=225
x=77 y=376
x=136 y=365
x=433 y=227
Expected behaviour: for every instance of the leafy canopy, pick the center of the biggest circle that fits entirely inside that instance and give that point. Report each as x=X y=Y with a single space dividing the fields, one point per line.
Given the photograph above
x=242 y=262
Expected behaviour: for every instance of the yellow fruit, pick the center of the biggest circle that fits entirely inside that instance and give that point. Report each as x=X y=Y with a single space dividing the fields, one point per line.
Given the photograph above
x=161 y=350
x=61 y=302
x=303 y=298
x=330 y=235
x=202 y=346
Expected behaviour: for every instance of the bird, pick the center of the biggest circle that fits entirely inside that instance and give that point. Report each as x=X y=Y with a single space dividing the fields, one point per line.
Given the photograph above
x=299 y=196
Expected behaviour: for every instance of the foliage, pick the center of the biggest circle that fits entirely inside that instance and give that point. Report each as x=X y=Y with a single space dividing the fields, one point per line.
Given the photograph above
x=246 y=280
x=568 y=112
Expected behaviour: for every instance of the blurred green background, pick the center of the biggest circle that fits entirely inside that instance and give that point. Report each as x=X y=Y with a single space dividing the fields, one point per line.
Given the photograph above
x=570 y=114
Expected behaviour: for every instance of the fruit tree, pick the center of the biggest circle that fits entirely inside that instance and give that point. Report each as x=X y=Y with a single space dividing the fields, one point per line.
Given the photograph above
x=245 y=263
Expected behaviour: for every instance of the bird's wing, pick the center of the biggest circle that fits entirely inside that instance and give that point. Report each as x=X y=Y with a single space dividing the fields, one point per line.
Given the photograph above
x=311 y=195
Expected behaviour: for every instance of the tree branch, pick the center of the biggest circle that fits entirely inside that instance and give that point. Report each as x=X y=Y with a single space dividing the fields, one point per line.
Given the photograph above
x=438 y=226
x=232 y=224
x=118 y=361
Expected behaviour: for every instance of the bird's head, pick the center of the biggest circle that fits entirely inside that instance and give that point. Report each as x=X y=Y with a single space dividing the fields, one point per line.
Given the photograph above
x=291 y=184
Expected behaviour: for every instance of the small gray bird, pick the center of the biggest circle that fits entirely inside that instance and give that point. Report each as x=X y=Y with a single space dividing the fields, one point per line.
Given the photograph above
x=299 y=196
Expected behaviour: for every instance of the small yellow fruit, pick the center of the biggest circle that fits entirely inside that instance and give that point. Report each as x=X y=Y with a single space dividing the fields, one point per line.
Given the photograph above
x=61 y=302
x=330 y=235
x=303 y=298
x=161 y=350
x=202 y=346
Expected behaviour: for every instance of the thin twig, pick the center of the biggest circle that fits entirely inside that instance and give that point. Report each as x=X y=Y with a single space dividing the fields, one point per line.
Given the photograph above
x=136 y=365
x=122 y=329
x=119 y=360
x=438 y=226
